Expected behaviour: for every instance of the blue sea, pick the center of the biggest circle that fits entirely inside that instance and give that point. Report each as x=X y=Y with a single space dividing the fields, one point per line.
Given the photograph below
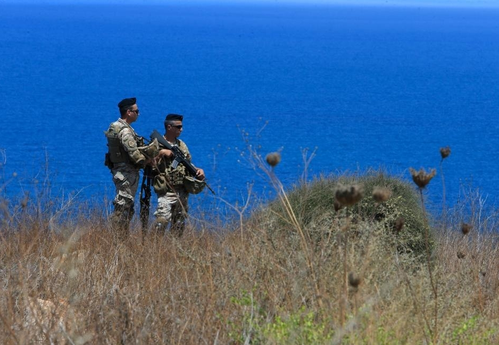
x=351 y=87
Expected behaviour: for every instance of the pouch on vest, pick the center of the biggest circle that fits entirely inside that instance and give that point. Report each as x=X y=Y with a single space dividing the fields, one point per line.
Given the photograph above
x=107 y=161
x=160 y=184
x=116 y=153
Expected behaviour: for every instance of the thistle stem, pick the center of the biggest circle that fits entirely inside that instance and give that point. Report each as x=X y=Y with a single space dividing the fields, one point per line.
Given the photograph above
x=430 y=271
x=444 y=208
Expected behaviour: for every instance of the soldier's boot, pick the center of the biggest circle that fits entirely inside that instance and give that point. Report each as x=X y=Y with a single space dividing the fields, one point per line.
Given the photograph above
x=120 y=222
x=125 y=230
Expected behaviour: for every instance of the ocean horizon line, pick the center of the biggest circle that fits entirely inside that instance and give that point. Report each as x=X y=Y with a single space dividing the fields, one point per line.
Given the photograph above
x=343 y=3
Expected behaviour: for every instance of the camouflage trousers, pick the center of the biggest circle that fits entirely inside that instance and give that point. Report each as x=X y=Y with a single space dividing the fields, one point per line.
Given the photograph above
x=172 y=208
x=126 y=181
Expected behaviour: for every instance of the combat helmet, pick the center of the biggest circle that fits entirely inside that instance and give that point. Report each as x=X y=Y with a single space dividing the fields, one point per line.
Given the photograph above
x=193 y=185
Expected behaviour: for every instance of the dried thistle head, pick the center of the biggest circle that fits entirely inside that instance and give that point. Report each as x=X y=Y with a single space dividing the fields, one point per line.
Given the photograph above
x=399 y=224
x=466 y=228
x=354 y=280
x=349 y=195
x=273 y=158
x=381 y=194
x=421 y=178
x=445 y=152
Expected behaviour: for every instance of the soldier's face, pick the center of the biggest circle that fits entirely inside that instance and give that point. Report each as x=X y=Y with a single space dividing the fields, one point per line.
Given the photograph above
x=175 y=128
x=132 y=113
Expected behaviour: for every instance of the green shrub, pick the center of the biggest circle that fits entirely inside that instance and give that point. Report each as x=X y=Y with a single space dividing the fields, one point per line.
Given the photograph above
x=313 y=205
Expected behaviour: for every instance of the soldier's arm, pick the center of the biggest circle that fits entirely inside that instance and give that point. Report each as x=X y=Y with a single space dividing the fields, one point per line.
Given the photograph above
x=199 y=172
x=128 y=141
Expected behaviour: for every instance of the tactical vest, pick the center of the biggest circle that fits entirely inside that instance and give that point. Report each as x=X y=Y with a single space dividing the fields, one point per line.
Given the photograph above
x=175 y=176
x=117 y=154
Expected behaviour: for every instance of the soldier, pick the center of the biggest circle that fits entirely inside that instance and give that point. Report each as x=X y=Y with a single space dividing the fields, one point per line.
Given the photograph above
x=125 y=159
x=170 y=183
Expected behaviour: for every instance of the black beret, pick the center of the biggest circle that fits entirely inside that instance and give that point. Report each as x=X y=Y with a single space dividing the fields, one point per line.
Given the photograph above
x=174 y=117
x=127 y=102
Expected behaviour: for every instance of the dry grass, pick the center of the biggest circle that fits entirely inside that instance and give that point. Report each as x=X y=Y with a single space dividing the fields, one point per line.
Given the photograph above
x=68 y=282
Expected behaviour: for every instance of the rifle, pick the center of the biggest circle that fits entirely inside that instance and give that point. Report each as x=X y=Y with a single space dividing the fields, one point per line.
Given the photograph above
x=179 y=155
x=145 y=198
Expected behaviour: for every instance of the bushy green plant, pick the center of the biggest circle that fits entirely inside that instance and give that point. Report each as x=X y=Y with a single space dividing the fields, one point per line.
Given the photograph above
x=313 y=204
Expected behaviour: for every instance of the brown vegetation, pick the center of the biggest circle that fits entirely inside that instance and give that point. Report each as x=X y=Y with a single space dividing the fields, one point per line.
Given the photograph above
x=77 y=286
x=343 y=260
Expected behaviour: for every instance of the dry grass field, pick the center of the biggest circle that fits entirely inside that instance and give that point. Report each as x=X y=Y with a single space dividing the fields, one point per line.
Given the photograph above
x=344 y=260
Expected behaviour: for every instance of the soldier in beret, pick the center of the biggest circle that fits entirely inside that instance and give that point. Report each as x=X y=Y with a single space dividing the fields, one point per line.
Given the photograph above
x=125 y=159
x=172 y=195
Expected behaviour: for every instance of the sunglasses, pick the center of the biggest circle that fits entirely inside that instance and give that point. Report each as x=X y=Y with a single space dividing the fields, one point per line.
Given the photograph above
x=177 y=126
x=135 y=111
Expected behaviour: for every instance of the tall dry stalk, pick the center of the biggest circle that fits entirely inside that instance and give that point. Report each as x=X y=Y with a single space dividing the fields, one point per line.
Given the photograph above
x=421 y=178
x=444 y=153
x=346 y=196
x=273 y=159
x=240 y=210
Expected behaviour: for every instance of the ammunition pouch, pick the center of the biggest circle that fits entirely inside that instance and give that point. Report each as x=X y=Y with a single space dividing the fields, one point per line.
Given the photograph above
x=117 y=153
x=161 y=184
x=177 y=175
x=107 y=161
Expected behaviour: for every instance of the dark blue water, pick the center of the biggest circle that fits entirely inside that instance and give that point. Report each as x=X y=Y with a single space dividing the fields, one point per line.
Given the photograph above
x=366 y=87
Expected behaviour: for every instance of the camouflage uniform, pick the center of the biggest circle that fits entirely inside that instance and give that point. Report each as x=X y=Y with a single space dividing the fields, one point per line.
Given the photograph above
x=126 y=161
x=173 y=201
